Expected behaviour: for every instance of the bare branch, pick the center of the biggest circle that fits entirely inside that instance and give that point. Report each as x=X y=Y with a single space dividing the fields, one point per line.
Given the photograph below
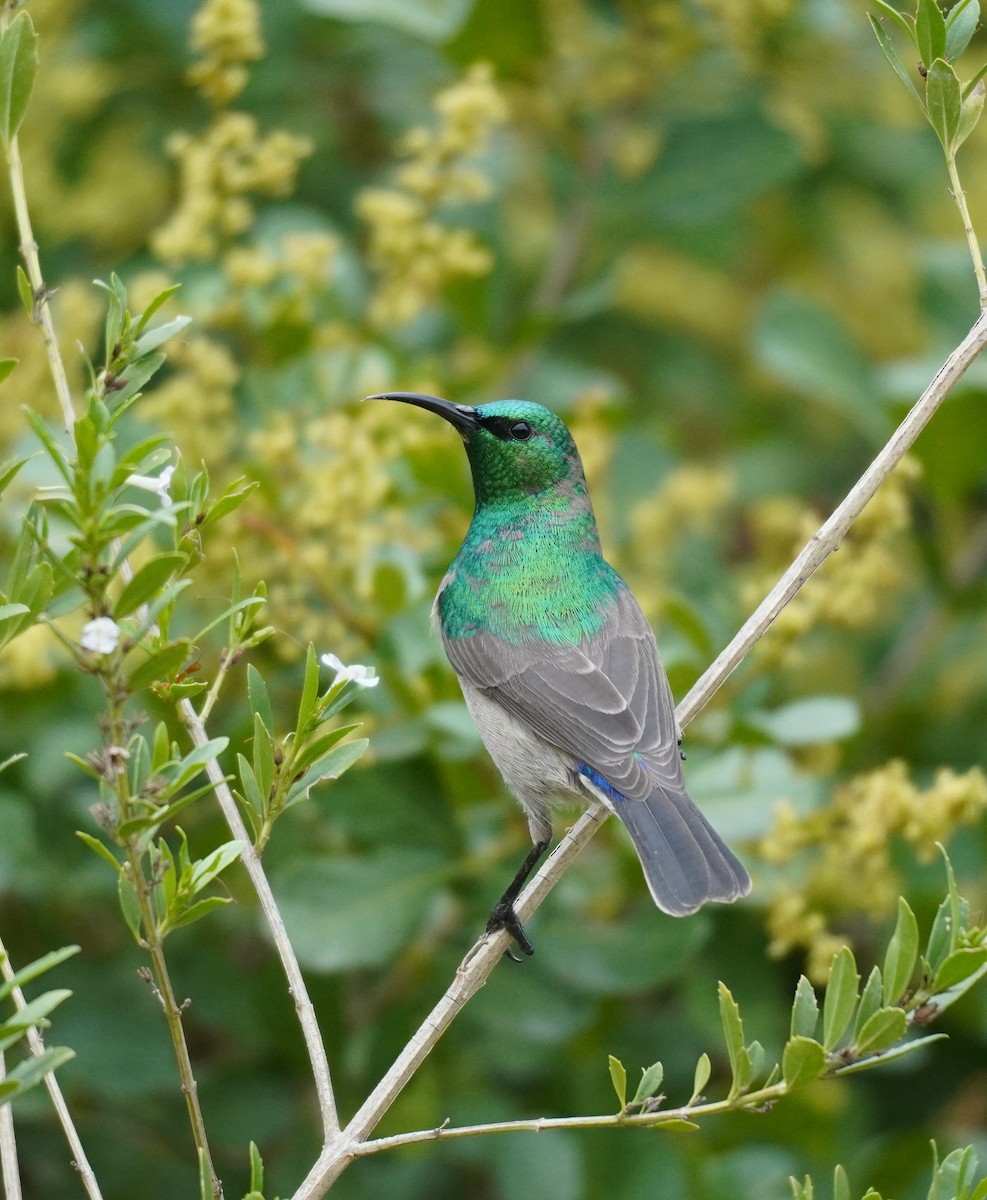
x=36 y=1045
x=272 y=915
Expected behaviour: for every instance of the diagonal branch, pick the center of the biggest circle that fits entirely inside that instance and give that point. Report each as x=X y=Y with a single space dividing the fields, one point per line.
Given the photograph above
x=476 y=967
x=272 y=915
x=37 y=1047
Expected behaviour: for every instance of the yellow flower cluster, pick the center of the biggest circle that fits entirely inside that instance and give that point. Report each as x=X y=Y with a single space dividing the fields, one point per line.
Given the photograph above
x=690 y=499
x=217 y=171
x=412 y=252
x=841 y=854
x=852 y=587
x=226 y=35
x=290 y=277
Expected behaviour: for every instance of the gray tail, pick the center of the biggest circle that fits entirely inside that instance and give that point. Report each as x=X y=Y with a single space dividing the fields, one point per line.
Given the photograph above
x=685 y=860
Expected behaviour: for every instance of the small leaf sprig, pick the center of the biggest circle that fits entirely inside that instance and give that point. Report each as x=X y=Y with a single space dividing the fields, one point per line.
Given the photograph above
x=283 y=770
x=957 y=1177
x=951 y=107
x=854 y=1030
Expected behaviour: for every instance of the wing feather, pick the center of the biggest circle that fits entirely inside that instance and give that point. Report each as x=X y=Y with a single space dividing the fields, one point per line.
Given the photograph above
x=606 y=701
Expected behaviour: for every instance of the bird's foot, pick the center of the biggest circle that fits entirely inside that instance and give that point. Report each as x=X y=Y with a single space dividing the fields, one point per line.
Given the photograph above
x=503 y=916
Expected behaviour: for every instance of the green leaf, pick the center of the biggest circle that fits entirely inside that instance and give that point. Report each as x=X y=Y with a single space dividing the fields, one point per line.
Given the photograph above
x=330 y=767
x=260 y=701
x=704 y=1069
x=618 y=1077
x=961 y=24
x=800 y=1191
x=310 y=690
x=148 y=581
x=841 y=1185
x=733 y=1036
x=870 y=1000
x=940 y=936
x=803 y=1060
x=40 y=965
x=256 y=1170
x=130 y=905
x=884 y=41
x=160 y=299
x=320 y=746
x=899 y=18
x=161 y=665
x=228 y=501
x=430 y=20
x=650 y=1083
x=970 y=113
x=841 y=997
x=207 y=869
x=263 y=755
x=805 y=1010
x=930 y=32
x=811 y=721
x=33 y=1013
x=960 y=965
x=148 y=342
x=881 y=1031
x=18 y=66
x=205 y=1178
x=198 y=910
x=249 y=602
x=32 y=1070
x=943 y=102
x=886 y=1056
x=178 y=774
x=902 y=954
x=25 y=291
x=251 y=788
x=99 y=848
x=955 y=1175
x=10 y=468
x=6 y=366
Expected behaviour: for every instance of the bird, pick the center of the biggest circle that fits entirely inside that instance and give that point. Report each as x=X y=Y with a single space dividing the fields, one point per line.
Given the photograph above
x=558 y=665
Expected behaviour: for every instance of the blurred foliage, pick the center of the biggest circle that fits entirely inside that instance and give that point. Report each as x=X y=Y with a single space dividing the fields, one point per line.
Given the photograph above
x=716 y=236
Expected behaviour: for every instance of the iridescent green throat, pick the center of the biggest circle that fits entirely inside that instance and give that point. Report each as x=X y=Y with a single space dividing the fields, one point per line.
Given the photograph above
x=530 y=567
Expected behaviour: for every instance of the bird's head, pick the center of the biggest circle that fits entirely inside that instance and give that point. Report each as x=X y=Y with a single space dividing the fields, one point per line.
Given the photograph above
x=515 y=448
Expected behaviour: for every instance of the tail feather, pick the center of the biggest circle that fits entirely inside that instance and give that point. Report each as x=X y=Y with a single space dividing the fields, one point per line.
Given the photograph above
x=685 y=861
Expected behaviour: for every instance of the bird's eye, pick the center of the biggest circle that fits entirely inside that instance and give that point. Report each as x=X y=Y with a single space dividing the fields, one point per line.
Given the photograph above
x=520 y=431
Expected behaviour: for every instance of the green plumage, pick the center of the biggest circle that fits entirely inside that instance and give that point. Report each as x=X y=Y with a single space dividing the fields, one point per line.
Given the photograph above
x=530 y=565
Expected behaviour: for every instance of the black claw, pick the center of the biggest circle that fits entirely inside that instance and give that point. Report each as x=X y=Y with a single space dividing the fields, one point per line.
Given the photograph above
x=503 y=916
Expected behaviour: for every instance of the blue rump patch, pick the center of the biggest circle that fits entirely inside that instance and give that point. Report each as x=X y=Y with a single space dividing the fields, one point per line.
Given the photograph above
x=605 y=786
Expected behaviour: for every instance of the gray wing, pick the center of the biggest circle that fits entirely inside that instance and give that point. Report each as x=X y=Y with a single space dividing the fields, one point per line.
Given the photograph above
x=606 y=702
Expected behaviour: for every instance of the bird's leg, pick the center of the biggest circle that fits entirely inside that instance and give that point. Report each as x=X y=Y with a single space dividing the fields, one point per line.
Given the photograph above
x=503 y=916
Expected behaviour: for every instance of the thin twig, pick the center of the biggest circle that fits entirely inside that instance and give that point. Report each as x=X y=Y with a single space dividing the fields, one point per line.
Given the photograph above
x=37 y=1046
x=9 y=1170
x=481 y=960
x=41 y=313
x=959 y=195
x=296 y=983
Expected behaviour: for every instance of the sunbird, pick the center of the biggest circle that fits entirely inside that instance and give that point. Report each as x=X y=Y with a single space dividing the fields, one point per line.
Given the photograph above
x=557 y=663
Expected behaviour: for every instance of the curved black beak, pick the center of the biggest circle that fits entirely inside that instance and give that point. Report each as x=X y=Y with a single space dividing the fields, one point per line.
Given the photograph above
x=460 y=416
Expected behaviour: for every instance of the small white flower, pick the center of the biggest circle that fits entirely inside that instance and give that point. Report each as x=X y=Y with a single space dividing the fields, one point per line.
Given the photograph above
x=160 y=484
x=100 y=635
x=358 y=674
